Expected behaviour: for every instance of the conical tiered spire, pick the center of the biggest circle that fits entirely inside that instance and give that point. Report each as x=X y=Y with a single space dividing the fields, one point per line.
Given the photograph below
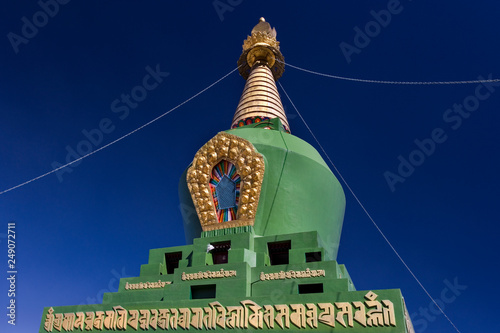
x=261 y=63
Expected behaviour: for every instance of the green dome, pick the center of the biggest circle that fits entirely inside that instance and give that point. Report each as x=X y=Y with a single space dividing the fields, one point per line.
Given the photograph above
x=299 y=192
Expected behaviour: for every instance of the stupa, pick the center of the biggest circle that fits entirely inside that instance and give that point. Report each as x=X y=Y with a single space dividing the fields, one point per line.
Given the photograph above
x=263 y=215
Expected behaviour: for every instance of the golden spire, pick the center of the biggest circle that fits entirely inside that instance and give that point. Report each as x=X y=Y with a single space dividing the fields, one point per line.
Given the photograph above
x=261 y=64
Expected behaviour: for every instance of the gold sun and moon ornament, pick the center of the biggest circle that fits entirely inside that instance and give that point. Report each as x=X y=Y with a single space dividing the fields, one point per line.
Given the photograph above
x=225 y=181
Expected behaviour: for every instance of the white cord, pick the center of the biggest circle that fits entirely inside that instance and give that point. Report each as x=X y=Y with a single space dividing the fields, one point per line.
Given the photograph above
x=390 y=82
x=364 y=209
x=120 y=138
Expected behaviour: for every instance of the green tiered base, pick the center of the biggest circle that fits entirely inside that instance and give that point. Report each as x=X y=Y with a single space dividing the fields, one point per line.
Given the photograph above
x=238 y=282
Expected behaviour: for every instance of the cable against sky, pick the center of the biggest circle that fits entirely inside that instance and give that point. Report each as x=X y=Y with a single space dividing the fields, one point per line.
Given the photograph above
x=364 y=209
x=222 y=78
x=122 y=137
x=390 y=82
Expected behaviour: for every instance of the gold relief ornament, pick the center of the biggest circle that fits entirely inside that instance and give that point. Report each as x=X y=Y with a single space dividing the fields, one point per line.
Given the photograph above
x=247 y=315
x=208 y=275
x=262 y=47
x=249 y=164
x=282 y=275
x=262 y=38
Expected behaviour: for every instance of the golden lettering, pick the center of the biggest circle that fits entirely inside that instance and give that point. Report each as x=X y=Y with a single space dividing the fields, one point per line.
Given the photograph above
x=163 y=319
x=389 y=317
x=174 y=318
x=375 y=316
x=283 y=313
x=255 y=319
x=109 y=320
x=99 y=320
x=248 y=315
x=327 y=317
x=298 y=315
x=68 y=322
x=197 y=318
x=144 y=319
x=360 y=313
x=219 y=314
x=49 y=320
x=208 y=321
x=89 y=321
x=153 y=321
x=207 y=275
x=281 y=275
x=133 y=321
x=146 y=285
x=58 y=321
x=121 y=318
x=269 y=316
x=79 y=321
x=184 y=320
x=236 y=317
x=312 y=315
x=345 y=310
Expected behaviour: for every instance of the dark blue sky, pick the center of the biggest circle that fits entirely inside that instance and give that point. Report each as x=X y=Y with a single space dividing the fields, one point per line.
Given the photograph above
x=79 y=230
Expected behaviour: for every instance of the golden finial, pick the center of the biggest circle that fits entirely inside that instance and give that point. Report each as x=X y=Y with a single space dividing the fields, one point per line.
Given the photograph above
x=262 y=47
x=261 y=64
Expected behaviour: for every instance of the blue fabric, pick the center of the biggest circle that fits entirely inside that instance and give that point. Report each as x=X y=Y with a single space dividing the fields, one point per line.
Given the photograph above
x=226 y=193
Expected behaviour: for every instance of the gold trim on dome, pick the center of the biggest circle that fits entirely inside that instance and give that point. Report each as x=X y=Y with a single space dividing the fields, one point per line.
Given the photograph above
x=250 y=166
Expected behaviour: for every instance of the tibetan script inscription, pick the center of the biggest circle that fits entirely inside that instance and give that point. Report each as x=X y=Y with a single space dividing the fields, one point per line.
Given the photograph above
x=308 y=273
x=147 y=285
x=247 y=315
x=207 y=275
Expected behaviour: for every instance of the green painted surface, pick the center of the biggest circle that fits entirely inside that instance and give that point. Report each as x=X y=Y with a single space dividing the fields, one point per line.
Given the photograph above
x=299 y=191
x=255 y=280
x=297 y=228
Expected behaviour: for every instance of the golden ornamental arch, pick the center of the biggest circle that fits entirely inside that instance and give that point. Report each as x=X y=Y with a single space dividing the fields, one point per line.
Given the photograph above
x=249 y=164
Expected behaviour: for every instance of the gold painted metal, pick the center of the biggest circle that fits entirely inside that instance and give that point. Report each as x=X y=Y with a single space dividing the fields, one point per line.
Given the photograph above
x=261 y=38
x=208 y=275
x=259 y=54
x=260 y=97
x=146 y=285
x=282 y=275
x=261 y=64
x=262 y=45
x=250 y=166
x=247 y=315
